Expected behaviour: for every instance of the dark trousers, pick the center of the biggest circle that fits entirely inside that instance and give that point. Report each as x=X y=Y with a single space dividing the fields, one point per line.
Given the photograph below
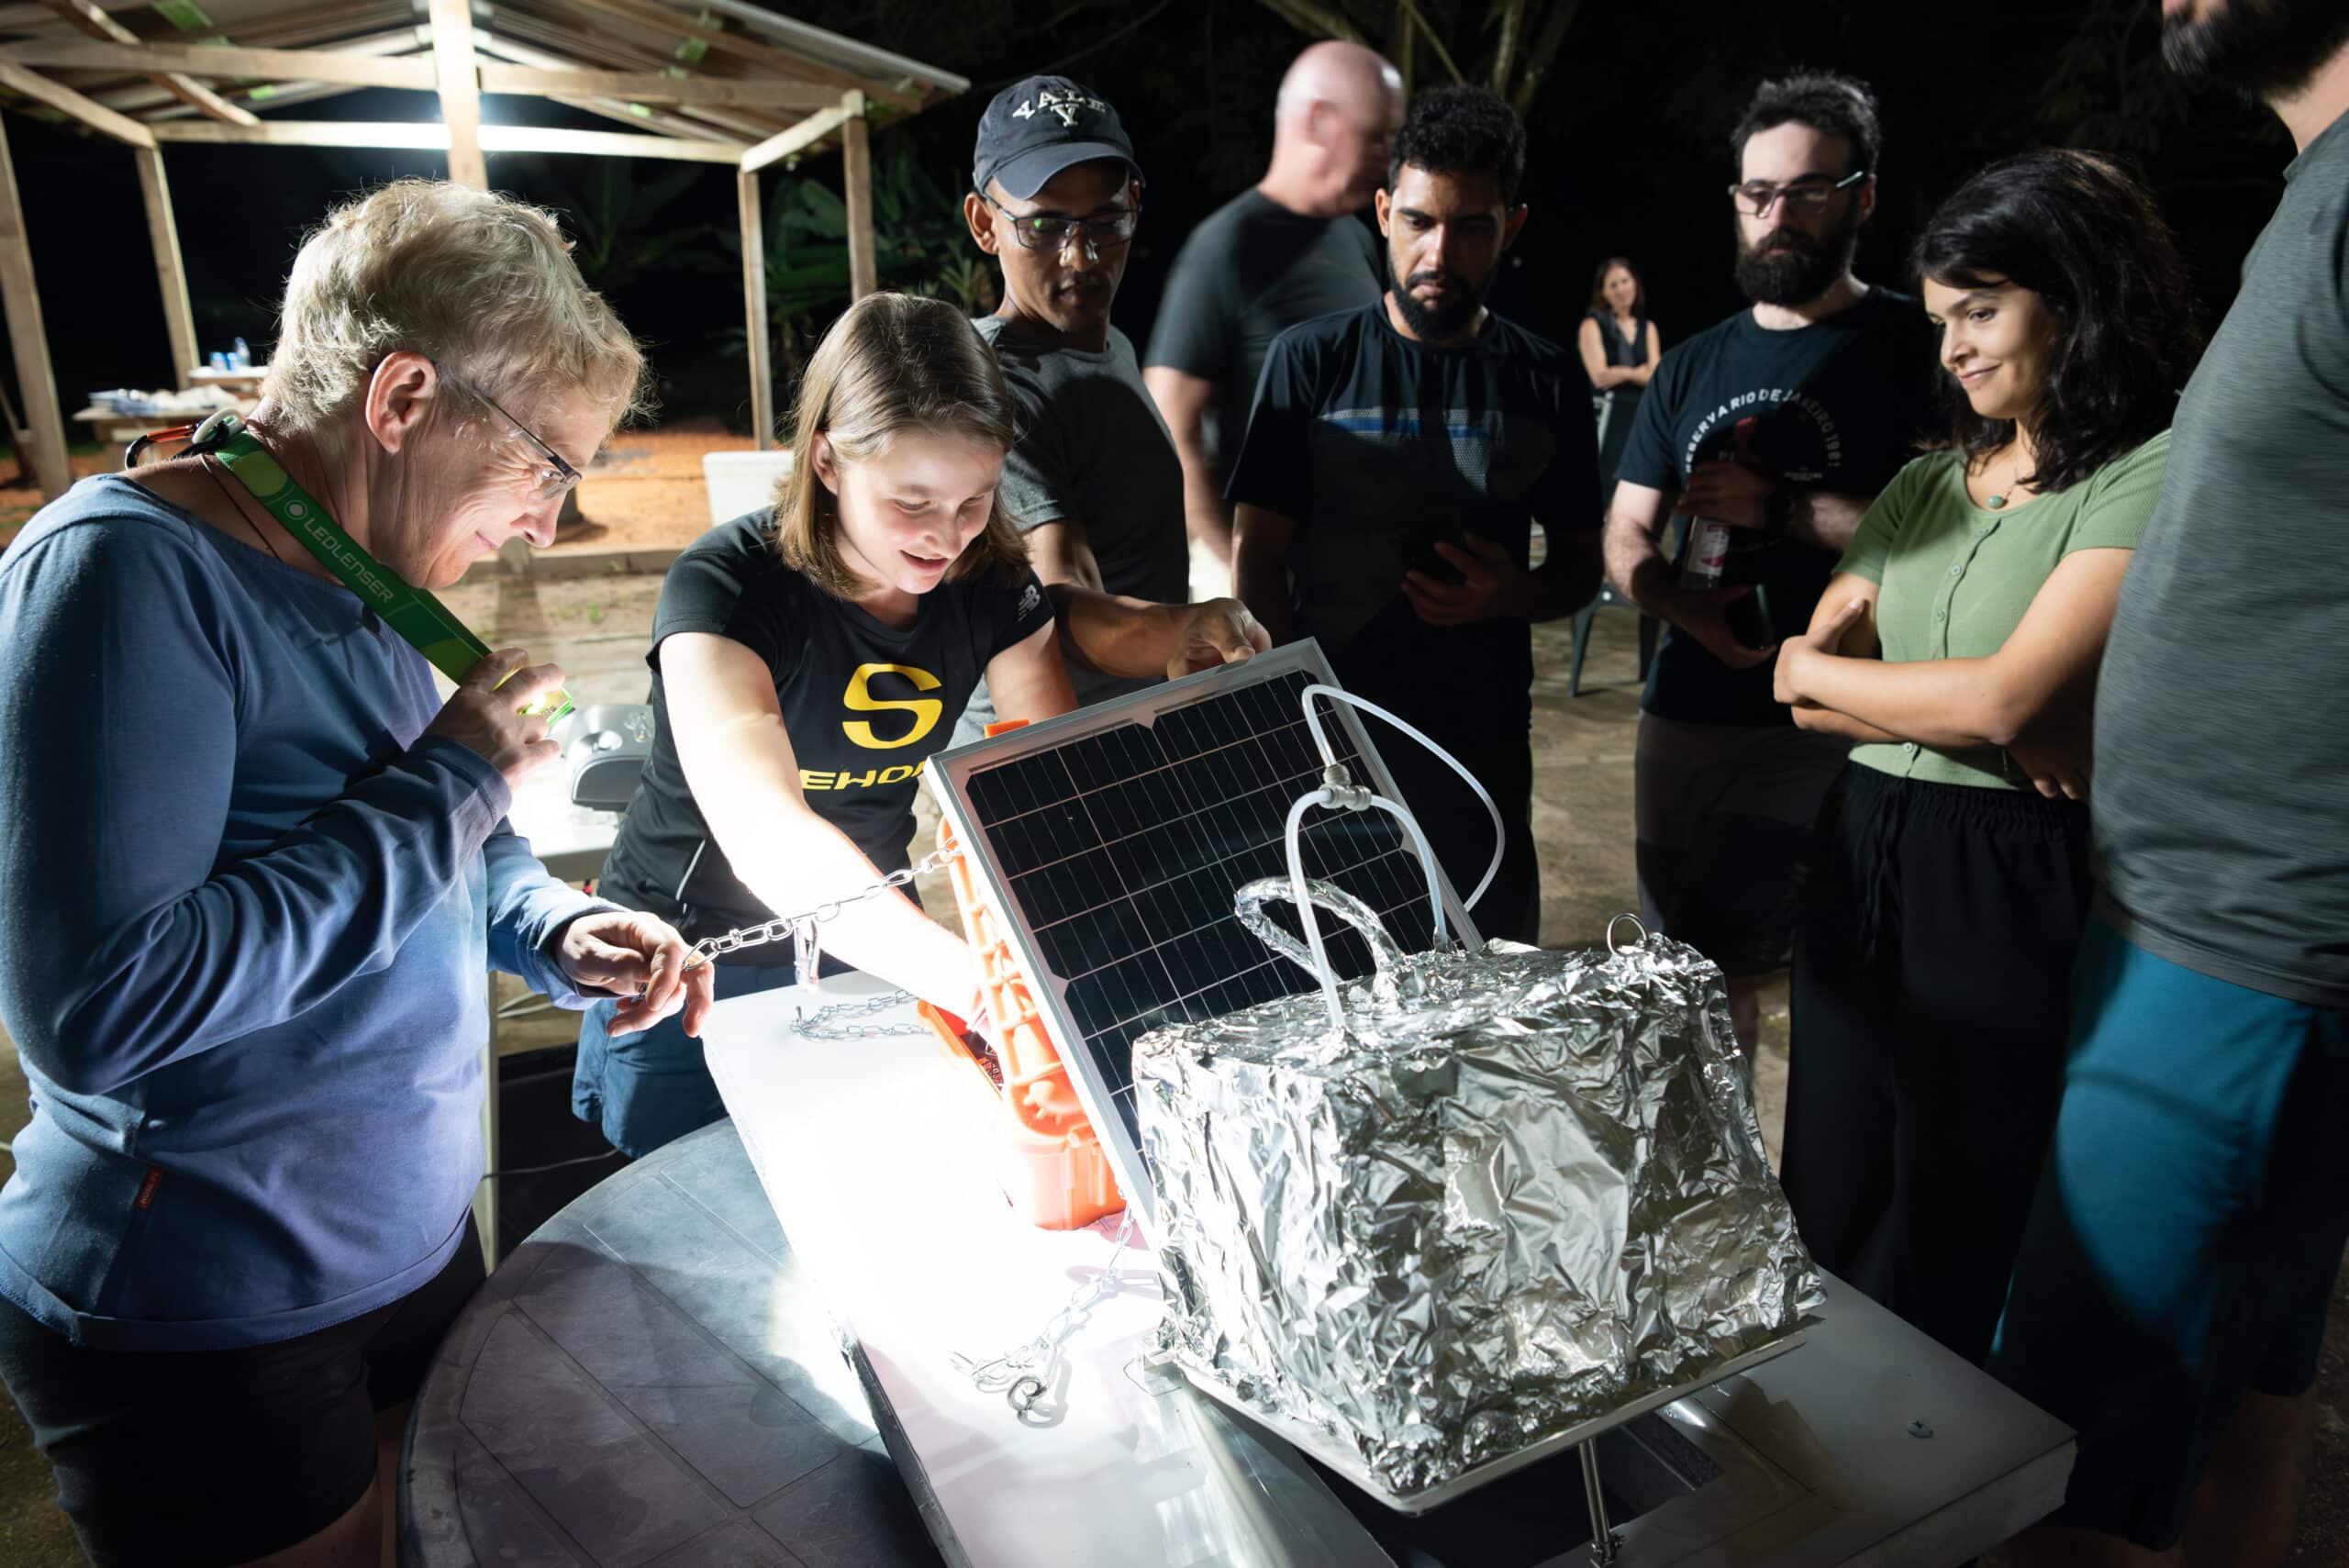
x=1936 y=929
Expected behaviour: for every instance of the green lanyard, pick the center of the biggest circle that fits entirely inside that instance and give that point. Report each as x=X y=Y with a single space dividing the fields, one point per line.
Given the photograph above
x=423 y=621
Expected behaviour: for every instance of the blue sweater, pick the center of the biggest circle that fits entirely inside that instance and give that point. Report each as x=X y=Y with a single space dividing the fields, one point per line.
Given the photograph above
x=245 y=920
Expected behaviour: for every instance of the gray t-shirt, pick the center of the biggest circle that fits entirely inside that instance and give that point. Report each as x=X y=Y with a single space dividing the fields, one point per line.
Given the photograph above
x=1092 y=449
x=2222 y=782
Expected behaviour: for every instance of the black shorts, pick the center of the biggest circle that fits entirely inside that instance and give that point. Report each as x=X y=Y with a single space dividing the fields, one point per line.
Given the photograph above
x=202 y=1457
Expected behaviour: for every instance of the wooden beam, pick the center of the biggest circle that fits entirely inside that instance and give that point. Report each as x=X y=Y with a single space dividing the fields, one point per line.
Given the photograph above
x=849 y=55
x=606 y=144
x=806 y=134
x=170 y=276
x=856 y=176
x=422 y=135
x=646 y=87
x=459 y=88
x=66 y=101
x=430 y=136
x=36 y=382
x=265 y=64
x=755 y=309
x=673 y=23
x=519 y=32
x=92 y=19
x=642 y=118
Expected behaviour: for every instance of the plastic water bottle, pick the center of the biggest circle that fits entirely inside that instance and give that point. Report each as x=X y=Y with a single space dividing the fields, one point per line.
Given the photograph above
x=242 y=359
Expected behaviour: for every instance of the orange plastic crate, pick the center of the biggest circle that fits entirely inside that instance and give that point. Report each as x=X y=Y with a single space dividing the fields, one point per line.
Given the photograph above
x=1048 y=1158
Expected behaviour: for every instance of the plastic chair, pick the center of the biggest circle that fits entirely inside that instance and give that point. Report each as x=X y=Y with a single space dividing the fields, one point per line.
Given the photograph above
x=1585 y=616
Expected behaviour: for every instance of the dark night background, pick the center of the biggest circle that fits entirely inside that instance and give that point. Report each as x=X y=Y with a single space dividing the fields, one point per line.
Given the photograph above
x=1628 y=155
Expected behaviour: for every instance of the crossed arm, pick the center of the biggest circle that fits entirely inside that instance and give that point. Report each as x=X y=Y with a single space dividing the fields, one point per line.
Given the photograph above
x=2031 y=697
x=1604 y=376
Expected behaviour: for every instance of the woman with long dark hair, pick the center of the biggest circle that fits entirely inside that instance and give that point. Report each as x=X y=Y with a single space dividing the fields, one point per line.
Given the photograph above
x=1619 y=347
x=1958 y=643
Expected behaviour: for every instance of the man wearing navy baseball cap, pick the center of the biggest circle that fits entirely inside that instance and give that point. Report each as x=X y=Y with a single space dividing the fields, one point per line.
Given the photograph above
x=1093 y=477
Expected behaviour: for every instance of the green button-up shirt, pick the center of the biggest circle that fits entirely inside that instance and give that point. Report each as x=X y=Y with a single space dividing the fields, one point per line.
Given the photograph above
x=1953 y=579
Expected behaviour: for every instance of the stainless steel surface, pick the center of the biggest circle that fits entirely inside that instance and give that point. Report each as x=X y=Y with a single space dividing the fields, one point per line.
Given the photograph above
x=1522 y=1196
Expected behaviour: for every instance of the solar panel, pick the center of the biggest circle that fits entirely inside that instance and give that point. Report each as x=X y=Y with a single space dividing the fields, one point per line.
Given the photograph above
x=1112 y=841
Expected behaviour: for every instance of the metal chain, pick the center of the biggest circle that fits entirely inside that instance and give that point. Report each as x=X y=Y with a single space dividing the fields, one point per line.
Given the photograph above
x=1029 y=1375
x=822 y=1027
x=783 y=926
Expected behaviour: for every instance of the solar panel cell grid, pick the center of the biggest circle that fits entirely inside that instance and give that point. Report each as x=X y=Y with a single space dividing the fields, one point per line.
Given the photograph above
x=1122 y=850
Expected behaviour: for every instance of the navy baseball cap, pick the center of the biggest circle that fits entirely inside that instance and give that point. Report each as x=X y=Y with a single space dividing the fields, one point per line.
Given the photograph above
x=1036 y=127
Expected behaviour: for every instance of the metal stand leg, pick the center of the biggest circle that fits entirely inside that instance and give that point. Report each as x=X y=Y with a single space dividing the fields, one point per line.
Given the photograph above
x=1603 y=1541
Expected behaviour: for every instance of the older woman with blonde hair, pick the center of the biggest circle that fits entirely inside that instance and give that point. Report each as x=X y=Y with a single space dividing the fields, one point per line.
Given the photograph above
x=809 y=659
x=252 y=872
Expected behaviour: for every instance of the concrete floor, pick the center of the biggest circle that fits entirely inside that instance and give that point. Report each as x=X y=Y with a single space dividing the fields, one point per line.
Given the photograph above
x=596 y=627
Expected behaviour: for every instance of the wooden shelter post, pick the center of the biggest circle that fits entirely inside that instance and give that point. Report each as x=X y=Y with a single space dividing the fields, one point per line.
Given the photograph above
x=44 y=457
x=755 y=309
x=453 y=56
x=170 y=276
x=856 y=169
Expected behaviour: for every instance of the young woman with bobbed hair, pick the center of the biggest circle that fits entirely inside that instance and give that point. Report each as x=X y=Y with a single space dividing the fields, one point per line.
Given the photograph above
x=1958 y=643
x=808 y=659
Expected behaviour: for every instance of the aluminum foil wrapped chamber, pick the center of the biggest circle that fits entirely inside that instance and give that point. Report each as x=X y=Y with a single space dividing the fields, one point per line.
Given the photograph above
x=1522 y=1193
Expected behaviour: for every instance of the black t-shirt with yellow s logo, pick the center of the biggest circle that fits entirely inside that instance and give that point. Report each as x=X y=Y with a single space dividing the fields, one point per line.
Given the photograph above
x=865 y=705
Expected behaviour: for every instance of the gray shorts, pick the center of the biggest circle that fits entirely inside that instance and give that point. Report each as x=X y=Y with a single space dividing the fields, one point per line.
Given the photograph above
x=1723 y=815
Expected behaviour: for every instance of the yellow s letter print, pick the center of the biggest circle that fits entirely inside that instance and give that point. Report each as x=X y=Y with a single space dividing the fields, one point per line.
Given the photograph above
x=858 y=698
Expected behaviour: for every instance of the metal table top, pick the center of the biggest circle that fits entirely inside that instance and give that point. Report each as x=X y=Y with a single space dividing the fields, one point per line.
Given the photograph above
x=651 y=1378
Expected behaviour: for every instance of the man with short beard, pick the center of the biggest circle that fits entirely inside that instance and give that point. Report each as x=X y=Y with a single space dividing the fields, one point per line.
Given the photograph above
x=1396 y=459
x=2169 y=1300
x=1782 y=422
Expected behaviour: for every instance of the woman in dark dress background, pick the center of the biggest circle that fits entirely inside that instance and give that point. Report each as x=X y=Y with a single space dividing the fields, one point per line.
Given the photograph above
x=1619 y=347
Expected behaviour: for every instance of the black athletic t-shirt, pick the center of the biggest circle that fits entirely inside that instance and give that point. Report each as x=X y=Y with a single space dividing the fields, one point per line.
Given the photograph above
x=1252 y=271
x=865 y=706
x=1836 y=405
x=1376 y=445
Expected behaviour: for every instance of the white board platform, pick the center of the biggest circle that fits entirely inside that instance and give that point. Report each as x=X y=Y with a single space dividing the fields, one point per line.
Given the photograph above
x=870 y=1155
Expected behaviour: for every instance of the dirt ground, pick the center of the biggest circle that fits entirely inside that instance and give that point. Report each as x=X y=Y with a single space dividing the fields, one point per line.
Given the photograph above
x=645 y=497
x=643 y=493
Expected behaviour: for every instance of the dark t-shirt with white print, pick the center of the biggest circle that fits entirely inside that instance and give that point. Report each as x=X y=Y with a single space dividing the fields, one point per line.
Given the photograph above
x=1838 y=406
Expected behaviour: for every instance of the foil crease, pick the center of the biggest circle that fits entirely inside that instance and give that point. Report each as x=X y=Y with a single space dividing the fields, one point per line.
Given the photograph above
x=1522 y=1189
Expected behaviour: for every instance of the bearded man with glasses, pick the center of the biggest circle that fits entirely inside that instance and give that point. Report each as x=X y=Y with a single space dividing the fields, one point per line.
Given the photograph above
x=1781 y=422
x=1093 y=481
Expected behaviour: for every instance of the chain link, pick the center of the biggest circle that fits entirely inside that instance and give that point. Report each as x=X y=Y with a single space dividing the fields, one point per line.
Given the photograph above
x=824 y=1026
x=784 y=925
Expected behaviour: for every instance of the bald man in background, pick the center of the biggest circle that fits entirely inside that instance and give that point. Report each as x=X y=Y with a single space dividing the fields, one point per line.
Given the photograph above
x=1285 y=250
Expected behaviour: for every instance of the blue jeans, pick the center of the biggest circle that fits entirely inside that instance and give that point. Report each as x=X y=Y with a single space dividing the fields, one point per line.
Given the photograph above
x=2186 y=1229
x=652 y=1087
